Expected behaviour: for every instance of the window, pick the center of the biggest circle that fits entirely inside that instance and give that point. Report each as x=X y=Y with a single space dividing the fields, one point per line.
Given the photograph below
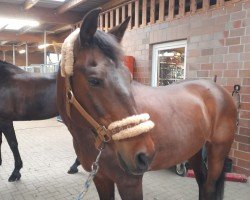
x=53 y=58
x=169 y=63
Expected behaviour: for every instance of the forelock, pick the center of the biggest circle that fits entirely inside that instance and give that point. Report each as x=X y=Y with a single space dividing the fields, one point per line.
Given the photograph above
x=106 y=43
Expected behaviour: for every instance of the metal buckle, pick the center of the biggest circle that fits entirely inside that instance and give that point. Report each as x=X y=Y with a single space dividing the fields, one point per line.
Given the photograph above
x=103 y=133
x=70 y=96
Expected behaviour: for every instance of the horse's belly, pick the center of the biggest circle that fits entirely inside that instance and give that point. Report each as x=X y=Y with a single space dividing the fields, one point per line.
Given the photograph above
x=172 y=150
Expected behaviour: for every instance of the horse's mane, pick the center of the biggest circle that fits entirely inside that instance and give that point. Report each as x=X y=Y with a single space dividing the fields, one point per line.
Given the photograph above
x=9 y=68
x=108 y=45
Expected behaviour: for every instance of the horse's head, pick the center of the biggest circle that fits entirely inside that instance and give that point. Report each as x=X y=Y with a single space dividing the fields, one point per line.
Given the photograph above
x=102 y=85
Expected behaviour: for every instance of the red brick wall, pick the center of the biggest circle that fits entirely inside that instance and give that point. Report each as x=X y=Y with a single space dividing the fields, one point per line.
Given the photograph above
x=218 y=43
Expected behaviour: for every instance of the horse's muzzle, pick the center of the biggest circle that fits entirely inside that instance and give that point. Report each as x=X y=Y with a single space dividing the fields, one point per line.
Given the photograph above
x=142 y=163
x=123 y=164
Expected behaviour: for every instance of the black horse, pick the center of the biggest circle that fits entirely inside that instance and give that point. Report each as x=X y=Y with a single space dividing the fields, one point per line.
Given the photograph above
x=23 y=96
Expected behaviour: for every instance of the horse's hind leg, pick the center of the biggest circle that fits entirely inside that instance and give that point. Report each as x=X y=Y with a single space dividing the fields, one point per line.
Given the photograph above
x=214 y=186
x=105 y=188
x=10 y=135
x=200 y=171
x=73 y=169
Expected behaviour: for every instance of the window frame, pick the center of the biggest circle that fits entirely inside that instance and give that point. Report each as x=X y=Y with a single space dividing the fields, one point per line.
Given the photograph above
x=165 y=46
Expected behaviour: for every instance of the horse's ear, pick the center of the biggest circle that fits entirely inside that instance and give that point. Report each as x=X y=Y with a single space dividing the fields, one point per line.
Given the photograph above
x=89 y=26
x=118 y=31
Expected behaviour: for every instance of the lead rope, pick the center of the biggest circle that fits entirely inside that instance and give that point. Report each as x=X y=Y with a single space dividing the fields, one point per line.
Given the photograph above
x=92 y=174
x=236 y=92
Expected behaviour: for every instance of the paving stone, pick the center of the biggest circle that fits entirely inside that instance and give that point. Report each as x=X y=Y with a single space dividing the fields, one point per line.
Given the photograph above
x=47 y=152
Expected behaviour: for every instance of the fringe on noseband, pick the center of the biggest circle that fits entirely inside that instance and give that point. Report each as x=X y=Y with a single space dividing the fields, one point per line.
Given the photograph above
x=67 y=60
x=141 y=124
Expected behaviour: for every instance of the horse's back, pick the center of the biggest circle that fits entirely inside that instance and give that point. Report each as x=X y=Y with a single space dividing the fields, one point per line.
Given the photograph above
x=210 y=93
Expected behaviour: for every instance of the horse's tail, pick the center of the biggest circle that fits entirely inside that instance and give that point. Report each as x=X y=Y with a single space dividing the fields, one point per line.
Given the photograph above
x=220 y=183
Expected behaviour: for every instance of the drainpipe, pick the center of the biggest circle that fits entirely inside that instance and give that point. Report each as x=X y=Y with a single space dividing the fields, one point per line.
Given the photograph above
x=27 y=54
x=4 y=58
x=14 y=54
x=45 y=48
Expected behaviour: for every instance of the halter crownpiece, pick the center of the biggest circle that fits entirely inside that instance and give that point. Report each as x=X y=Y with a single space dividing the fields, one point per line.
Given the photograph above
x=126 y=128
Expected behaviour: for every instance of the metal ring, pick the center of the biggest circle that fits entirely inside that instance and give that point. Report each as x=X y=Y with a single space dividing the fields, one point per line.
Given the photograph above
x=102 y=132
x=107 y=138
x=95 y=166
x=237 y=88
x=101 y=147
x=70 y=96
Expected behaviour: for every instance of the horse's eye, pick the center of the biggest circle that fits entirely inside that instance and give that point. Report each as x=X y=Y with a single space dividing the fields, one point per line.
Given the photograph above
x=95 y=82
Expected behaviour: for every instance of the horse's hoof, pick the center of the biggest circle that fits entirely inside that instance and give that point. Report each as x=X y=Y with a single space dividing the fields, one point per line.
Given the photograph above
x=72 y=170
x=15 y=176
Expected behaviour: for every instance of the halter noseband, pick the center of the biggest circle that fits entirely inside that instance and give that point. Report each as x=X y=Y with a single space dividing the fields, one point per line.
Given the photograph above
x=134 y=125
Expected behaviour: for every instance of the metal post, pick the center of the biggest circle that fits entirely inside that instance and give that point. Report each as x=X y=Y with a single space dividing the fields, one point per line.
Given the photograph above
x=4 y=58
x=14 y=54
x=45 y=49
x=27 y=54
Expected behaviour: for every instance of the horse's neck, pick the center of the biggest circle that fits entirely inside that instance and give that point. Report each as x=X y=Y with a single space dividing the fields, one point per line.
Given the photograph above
x=139 y=89
x=147 y=98
x=138 y=86
x=141 y=93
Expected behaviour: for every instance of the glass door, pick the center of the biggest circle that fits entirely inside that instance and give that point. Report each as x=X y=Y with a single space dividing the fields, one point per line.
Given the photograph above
x=169 y=63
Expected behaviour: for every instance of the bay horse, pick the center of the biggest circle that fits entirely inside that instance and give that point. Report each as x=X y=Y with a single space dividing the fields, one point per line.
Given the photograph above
x=186 y=116
x=24 y=96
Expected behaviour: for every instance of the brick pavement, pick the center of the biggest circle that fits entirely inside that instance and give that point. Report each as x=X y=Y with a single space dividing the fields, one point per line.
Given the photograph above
x=47 y=152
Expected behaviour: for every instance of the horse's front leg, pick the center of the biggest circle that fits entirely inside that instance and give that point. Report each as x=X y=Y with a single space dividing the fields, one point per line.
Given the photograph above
x=10 y=135
x=73 y=169
x=130 y=188
x=105 y=188
x=0 y=147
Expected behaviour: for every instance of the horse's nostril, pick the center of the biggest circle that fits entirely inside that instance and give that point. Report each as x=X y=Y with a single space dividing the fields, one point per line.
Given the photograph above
x=142 y=161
